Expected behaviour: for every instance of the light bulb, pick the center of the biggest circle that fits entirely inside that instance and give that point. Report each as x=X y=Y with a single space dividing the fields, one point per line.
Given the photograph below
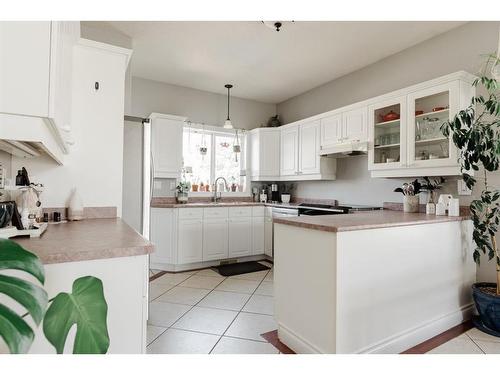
x=228 y=124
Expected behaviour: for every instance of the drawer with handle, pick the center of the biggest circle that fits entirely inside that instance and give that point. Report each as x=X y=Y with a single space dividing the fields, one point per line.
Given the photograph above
x=215 y=213
x=240 y=211
x=190 y=213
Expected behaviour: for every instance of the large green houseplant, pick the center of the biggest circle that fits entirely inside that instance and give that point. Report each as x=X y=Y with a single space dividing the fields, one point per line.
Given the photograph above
x=476 y=133
x=85 y=306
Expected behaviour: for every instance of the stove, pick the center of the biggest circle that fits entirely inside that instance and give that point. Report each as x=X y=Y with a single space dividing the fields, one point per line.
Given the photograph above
x=312 y=209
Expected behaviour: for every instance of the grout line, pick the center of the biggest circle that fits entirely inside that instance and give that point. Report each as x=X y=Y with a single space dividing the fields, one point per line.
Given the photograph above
x=196 y=305
x=238 y=314
x=475 y=343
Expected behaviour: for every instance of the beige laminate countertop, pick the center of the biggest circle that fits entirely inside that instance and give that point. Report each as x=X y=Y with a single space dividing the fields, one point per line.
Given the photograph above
x=87 y=240
x=222 y=204
x=365 y=220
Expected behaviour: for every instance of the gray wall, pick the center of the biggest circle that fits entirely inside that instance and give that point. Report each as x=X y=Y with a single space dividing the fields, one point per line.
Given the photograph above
x=458 y=49
x=199 y=106
x=144 y=97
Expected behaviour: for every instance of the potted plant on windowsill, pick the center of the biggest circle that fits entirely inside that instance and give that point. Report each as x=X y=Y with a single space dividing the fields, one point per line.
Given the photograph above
x=183 y=191
x=476 y=133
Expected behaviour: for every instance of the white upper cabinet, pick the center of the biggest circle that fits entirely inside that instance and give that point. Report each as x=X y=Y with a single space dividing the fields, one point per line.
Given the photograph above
x=331 y=130
x=354 y=126
x=167 y=138
x=300 y=158
x=309 y=158
x=289 y=151
x=344 y=127
x=387 y=123
x=25 y=68
x=265 y=154
x=36 y=71
x=413 y=144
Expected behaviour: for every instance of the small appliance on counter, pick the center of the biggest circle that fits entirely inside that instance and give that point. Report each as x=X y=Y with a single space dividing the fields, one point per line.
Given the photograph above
x=275 y=194
x=22 y=216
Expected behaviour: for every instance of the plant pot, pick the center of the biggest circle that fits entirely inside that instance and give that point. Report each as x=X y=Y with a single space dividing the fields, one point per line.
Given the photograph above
x=411 y=203
x=194 y=187
x=182 y=197
x=488 y=307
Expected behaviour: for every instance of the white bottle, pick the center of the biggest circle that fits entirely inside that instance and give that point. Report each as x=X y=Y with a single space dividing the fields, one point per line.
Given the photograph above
x=75 y=209
x=430 y=208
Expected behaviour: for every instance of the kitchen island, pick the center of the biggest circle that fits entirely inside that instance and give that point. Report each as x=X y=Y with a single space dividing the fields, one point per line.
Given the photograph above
x=370 y=282
x=110 y=250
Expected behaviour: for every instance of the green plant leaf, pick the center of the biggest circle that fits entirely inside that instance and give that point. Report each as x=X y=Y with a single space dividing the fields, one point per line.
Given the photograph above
x=14 y=257
x=87 y=308
x=16 y=333
x=30 y=296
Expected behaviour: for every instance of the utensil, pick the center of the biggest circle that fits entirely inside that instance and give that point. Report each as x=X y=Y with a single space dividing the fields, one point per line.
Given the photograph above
x=436 y=109
x=418 y=113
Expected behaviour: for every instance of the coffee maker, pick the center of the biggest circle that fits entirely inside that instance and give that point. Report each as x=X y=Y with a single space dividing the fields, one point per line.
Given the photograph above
x=275 y=194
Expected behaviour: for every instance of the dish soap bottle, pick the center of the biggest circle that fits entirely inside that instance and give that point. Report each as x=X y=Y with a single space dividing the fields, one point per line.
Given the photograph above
x=75 y=209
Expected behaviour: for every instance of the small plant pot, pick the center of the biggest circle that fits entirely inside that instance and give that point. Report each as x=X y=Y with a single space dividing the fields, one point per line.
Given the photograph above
x=411 y=203
x=194 y=187
x=488 y=307
x=182 y=197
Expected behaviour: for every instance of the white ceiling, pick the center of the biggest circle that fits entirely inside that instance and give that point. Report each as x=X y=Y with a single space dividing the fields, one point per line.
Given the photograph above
x=263 y=64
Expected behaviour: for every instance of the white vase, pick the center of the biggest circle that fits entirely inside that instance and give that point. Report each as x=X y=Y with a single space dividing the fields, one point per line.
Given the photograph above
x=75 y=209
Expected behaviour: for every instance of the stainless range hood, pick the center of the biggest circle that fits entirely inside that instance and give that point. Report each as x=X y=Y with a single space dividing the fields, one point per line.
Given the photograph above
x=346 y=149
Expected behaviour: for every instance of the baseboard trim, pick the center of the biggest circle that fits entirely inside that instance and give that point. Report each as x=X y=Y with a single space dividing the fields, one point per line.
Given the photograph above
x=398 y=343
x=410 y=338
x=296 y=343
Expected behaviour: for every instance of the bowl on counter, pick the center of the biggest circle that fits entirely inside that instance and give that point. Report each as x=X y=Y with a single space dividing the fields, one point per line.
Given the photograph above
x=285 y=198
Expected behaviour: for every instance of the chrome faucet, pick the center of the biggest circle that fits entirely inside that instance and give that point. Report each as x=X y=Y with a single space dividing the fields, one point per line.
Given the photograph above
x=215 y=197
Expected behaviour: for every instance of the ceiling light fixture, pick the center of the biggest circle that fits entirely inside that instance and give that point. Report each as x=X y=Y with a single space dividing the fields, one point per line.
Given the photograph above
x=275 y=25
x=228 y=124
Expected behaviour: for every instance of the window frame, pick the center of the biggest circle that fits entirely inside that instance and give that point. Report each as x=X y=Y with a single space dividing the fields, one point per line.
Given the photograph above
x=214 y=131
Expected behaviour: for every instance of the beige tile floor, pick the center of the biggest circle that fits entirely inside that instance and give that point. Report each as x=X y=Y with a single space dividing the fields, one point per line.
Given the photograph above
x=204 y=312
x=471 y=342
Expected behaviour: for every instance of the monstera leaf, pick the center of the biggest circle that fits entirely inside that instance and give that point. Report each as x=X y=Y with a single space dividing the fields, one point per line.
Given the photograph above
x=86 y=307
x=16 y=333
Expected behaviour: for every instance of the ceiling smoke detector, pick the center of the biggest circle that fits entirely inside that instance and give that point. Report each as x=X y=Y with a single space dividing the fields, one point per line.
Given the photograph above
x=275 y=25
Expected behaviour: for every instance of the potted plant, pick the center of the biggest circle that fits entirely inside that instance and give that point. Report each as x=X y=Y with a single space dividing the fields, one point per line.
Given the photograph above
x=431 y=187
x=183 y=191
x=476 y=133
x=85 y=306
x=410 y=193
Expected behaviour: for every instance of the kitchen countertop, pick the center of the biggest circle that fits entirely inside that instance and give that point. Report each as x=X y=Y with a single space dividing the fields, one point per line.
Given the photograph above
x=87 y=240
x=222 y=204
x=365 y=220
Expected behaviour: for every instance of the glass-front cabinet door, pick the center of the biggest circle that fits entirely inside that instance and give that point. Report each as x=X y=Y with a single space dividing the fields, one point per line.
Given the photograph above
x=387 y=134
x=427 y=111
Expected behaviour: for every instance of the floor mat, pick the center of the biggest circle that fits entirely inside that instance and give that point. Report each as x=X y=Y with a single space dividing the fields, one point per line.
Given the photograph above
x=240 y=268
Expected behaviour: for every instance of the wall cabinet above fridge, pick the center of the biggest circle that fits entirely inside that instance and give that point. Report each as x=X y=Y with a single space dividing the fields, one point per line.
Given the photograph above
x=35 y=71
x=167 y=145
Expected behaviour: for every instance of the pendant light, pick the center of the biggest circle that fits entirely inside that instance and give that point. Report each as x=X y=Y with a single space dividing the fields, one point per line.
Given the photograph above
x=228 y=124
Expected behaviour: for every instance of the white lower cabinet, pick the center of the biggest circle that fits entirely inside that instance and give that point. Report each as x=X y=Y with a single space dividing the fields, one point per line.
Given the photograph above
x=258 y=244
x=240 y=237
x=162 y=224
x=215 y=239
x=190 y=241
x=187 y=237
x=268 y=236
